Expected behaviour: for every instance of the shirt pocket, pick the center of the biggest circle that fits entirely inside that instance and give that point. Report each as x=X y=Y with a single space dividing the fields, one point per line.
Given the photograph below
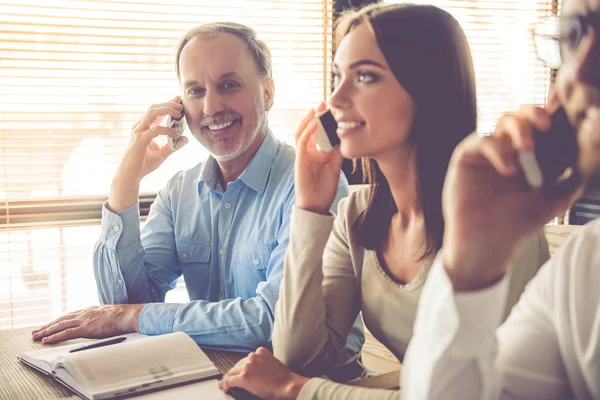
x=194 y=253
x=254 y=256
x=195 y=267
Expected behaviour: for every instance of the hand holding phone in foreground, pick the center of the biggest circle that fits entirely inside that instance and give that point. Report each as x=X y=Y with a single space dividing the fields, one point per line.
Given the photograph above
x=555 y=151
x=317 y=172
x=486 y=209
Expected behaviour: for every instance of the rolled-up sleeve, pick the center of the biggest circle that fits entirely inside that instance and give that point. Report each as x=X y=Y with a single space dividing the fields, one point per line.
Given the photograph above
x=132 y=266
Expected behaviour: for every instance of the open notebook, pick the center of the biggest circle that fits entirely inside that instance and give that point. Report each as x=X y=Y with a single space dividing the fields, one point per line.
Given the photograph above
x=137 y=365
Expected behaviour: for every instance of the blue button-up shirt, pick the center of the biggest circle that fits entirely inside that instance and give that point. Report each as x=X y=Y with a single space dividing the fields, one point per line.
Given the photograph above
x=228 y=245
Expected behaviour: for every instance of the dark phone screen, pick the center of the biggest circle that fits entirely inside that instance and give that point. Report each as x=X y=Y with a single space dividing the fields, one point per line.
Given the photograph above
x=330 y=127
x=556 y=149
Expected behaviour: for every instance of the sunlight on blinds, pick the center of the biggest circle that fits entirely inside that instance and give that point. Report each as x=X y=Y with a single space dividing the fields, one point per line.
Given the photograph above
x=507 y=70
x=75 y=76
x=46 y=272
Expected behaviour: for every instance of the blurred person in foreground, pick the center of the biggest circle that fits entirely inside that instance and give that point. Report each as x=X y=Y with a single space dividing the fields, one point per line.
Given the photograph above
x=549 y=347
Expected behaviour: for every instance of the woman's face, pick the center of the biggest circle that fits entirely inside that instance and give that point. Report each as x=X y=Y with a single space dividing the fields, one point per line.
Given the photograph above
x=373 y=111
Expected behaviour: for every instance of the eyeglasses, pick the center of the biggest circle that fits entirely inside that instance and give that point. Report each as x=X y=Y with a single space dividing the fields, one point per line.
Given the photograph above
x=557 y=38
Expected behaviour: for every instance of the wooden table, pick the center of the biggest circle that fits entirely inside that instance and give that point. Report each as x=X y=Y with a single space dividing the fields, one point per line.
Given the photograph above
x=18 y=381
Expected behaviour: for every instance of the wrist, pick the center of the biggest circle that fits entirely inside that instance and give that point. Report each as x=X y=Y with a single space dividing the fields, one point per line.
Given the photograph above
x=123 y=194
x=122 y=181
x=294 y=386
x=471 y=268
x=131 y=317
x=323 y=210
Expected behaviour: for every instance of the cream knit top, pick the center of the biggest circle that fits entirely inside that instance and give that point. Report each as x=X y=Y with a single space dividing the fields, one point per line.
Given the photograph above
x=329 y=278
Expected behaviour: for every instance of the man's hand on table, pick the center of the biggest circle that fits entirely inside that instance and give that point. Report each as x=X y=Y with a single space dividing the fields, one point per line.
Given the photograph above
x=91 y=323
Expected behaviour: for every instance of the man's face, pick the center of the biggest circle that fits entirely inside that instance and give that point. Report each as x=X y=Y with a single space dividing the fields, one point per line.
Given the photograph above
x=224 y=96
x=578 y=81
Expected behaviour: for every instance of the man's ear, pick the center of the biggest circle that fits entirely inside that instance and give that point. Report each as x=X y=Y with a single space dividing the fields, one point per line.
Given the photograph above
x=269 y=93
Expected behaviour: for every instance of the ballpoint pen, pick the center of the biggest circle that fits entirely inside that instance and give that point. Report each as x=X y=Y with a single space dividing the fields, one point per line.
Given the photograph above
x=100 y=344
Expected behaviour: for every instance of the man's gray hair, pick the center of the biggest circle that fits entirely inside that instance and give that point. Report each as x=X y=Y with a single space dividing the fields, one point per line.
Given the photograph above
x=258 y=48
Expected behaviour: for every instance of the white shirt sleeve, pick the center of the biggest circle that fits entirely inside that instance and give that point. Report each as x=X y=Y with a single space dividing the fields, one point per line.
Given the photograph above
x=548 y=348
x=451 y=354
x=457 y=352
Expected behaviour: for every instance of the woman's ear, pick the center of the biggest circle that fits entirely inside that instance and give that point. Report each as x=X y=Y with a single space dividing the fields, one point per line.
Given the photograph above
x=269 y=93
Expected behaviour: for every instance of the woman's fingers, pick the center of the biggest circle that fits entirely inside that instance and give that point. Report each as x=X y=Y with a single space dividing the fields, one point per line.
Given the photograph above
x=303 y=123
x=321 y=107
x=336 y=159
x=306 y=135
x=232 y=377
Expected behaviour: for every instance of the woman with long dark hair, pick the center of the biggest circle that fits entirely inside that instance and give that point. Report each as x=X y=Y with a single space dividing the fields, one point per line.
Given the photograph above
x=404 y=98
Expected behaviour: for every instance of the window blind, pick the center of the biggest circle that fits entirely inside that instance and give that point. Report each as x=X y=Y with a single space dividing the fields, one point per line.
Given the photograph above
x=75 y=76
x=507 y=70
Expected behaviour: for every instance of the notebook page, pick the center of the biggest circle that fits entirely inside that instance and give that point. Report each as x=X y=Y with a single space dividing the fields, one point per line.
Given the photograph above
x=45 y=358
x=156 y=358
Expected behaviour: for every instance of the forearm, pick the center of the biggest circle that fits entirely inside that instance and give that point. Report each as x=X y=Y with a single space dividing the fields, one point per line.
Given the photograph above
x=231 y=325
x=124 y=192
x=301 y=338
x=320 y=389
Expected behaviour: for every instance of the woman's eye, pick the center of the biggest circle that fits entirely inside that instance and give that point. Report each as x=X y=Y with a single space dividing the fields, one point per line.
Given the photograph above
x=336 y=79
x=367 y=77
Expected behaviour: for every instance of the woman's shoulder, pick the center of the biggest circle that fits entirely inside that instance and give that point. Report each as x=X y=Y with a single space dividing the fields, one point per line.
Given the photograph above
x=351 y=207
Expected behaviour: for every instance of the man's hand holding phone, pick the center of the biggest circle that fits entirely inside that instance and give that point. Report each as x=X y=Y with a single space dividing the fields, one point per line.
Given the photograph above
x=317 y=172
x=143 y=155
x=486 y=208
x=555 y=152
x=178 y=125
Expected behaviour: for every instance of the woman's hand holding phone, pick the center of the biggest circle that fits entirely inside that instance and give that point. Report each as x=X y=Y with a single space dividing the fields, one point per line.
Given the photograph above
x=143 y=155
x=317 y=173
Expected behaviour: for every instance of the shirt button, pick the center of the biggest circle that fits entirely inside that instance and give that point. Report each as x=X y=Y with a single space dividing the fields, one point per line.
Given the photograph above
x=184 y=255
x=221 y=251
x=116 y=228
x=228 y=205
x=255 y=261
x=120 y=281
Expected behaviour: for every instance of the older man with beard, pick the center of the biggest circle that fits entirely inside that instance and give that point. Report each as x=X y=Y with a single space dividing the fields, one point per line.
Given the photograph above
x=549 y=347
x=223 y=225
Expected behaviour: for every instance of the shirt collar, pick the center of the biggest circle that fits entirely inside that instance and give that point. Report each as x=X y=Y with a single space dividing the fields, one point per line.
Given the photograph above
x=256 y=173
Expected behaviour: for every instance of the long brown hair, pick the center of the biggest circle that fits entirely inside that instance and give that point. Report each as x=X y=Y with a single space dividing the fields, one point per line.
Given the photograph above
x=428 y=53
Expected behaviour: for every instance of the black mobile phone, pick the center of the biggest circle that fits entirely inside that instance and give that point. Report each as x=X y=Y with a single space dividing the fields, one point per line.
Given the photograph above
x=178 y=125
x=326 y=134
x=555 y=151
